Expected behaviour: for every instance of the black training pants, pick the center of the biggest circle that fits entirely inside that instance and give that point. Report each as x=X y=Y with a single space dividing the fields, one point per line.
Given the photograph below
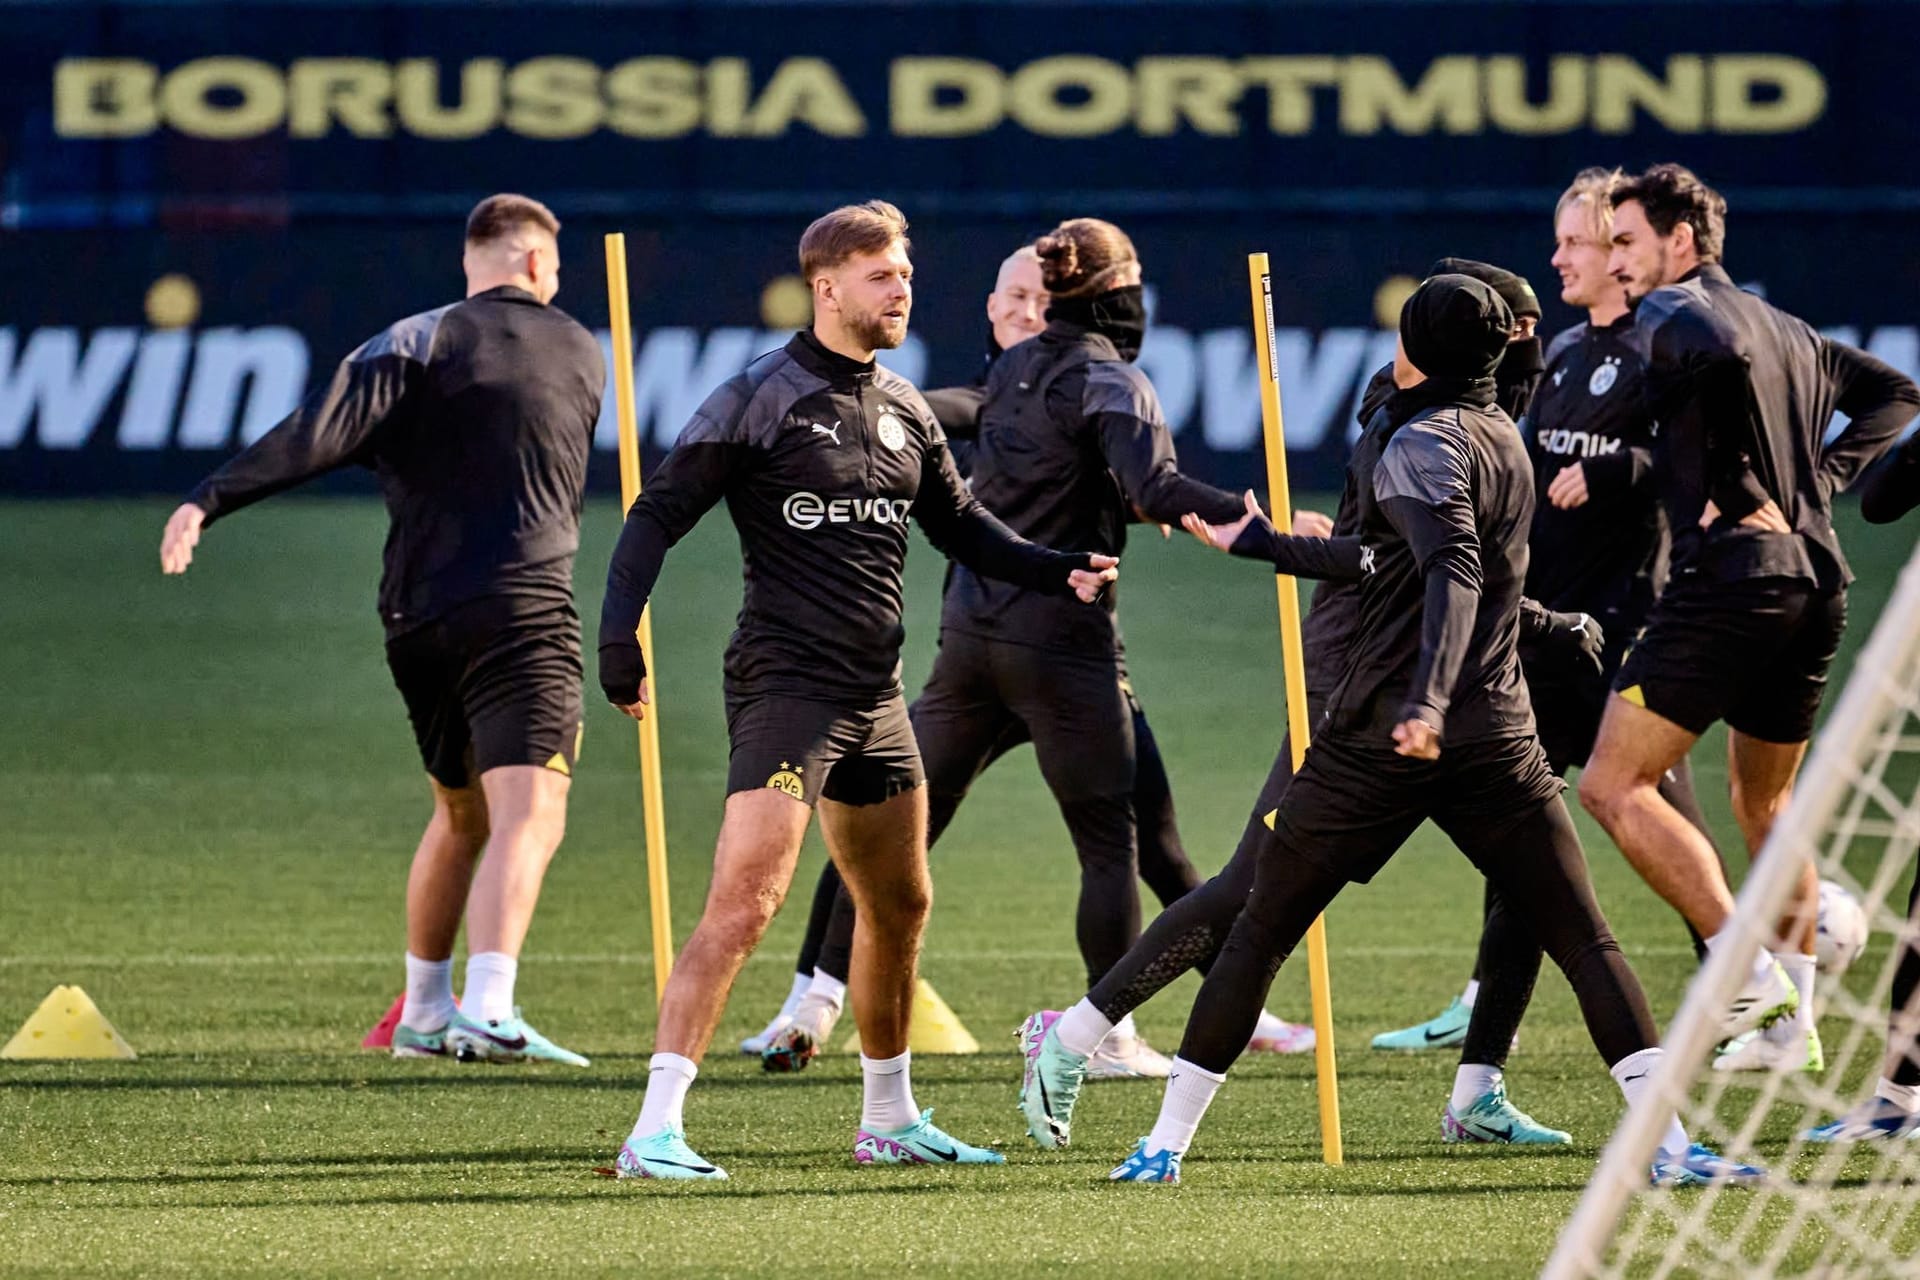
x=1350 y=808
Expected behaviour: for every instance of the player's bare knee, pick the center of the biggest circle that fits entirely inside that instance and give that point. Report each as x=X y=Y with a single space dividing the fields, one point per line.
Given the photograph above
x=462 y=813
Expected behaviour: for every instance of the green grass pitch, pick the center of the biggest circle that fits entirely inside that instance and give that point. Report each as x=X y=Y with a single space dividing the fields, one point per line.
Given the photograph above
x=208 y=797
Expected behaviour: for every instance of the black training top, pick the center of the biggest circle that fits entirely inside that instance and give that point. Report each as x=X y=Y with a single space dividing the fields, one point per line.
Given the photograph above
x=1603 y=557
x=1742 y=393
x=1891 y=487
x=820 y=458
x=1072 y=442
x=1445 y=499
x=477 y=418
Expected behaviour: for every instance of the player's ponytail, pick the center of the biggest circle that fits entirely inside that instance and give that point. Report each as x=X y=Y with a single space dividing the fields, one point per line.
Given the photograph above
x=1083 y=257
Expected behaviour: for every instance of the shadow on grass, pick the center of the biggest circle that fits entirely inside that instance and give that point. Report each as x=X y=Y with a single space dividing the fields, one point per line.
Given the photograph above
x=435 y=1078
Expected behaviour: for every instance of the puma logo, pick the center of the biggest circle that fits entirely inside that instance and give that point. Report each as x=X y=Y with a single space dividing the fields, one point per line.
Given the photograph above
x=832 y=433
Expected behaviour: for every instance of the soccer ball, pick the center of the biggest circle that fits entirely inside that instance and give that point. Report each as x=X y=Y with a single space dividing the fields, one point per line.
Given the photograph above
x=1843 y=928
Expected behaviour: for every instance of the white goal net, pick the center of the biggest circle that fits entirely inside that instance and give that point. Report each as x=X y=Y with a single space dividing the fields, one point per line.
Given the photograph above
x=1828 y=1209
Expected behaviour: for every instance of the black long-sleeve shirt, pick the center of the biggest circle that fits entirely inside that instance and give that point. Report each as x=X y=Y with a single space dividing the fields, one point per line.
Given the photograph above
x=1072 y=442
x=1604 y=557
x=820 y=459
x=477 y=418
x=1743 y=394
x=1891 y=487
x=1444 y=496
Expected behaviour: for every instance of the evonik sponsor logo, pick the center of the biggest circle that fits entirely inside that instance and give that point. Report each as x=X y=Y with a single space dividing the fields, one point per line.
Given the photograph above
x=805 y=510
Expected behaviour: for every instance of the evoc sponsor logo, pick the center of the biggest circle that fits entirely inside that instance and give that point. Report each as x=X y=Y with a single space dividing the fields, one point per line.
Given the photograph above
x=805 y=510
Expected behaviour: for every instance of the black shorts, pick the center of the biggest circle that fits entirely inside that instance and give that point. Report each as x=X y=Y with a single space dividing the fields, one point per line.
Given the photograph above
x=1569 y=695
x=852 y=755
x=1753 y=653
x=494 y=682
x=1352 y=804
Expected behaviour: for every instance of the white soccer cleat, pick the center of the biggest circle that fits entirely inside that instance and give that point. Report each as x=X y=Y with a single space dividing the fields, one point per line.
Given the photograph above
x=1127 y=1057
x=1279 y=1036
x=755 y=1045
x=1761 y=1003
x=1755 y=1051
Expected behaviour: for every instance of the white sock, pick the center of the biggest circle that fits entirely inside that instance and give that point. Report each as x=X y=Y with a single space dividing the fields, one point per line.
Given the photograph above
x=1189 y=1091
x=1472 y=992
x=1801 y=970
x=1904 y=1096
x=1634 y=1075
x=1269 y=1027
x=429 y=1004
x=1124 y=1030
x=820 y=1005
x=801 y=982
x=489 y=994
x=669 y=1076
x=1082 y=1028
x=1762 y=960
x=888 y=1102
x=1470 y=1080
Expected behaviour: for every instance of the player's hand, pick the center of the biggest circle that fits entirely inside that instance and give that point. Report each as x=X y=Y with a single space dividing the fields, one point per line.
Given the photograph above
x=1221 y=537
x=1088 y=584
x=638 y=708
x=182 y=535
x=1581 y=638
x=1569 y=489
x=1767 y=518
x=1312 y=524
x=1417 y=739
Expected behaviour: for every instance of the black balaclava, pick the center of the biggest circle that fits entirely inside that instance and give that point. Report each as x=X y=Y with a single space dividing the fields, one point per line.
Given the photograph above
x=1118 y=314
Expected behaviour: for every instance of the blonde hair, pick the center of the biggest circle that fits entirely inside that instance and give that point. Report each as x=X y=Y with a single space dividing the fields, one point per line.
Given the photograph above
x=499 y=216
x=852 y=229
x=1593 y=188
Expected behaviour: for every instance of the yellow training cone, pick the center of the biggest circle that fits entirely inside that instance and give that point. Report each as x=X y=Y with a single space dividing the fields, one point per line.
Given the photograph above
x=67 y=1025
x=936 y=1027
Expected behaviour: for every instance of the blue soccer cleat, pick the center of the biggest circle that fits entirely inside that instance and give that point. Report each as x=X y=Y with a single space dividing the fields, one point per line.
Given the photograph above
x=667 y=1157
x=1875 y=1120
x=1493 y=1119
x=921 y=1142
x=1702 y=1167
x=504 y=1040
x=1050 y=1081
x=1447 y=1030
x=1161 y=1166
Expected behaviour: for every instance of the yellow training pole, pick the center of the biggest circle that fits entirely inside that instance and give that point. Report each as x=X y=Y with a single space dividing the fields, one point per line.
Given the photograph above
x=1261 y=280
x=650 y=789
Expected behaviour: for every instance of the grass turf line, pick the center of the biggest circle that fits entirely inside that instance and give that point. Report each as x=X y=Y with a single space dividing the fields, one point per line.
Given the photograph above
x=211 y=797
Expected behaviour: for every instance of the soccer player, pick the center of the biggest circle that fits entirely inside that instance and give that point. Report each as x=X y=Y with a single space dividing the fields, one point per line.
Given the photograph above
x=1429 y=719
x=1752 y=614
x=477 y=418
x=820 y=455
x=1070 y=445
x=1596 y=549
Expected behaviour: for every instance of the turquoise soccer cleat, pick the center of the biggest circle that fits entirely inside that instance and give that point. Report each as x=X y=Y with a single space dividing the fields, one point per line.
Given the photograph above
x=1049 y=1083
x=1494 y=1119
x=665 y=1156
x=921 y=1142
x=789 y=1049
x=1161 y=1166
x=1703 y=1167
x=1446 y=1031
x=1875 y=1120
x=506 y=1040
x=408 y=1043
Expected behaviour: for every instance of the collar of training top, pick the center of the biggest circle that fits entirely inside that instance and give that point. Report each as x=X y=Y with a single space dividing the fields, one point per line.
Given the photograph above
x=508 y=293
x=1707 y=271
x=816 y=357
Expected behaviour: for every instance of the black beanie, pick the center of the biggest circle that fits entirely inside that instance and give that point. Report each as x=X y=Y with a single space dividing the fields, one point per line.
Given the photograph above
x=1454 y=326
x=1511 y=286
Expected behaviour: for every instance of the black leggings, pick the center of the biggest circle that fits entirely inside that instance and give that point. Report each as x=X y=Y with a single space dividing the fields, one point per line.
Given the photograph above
x=1906 y=981
x=1345 y=815
x=1508 y=963
x=983 y=700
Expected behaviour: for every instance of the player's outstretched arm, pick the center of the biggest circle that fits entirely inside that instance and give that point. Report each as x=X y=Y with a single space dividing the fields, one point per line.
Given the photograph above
x=689 y=480
x=1121 y=408
x=1254 y=537
x=965 y=531
x=1424 y=490
x=331 y=429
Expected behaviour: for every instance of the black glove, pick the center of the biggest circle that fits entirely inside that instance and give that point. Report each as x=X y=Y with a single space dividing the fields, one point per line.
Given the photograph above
x=1577 y=638
x=622 y=668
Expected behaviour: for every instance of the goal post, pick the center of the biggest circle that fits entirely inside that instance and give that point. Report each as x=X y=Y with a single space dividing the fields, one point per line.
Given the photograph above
x=1826 y=1209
